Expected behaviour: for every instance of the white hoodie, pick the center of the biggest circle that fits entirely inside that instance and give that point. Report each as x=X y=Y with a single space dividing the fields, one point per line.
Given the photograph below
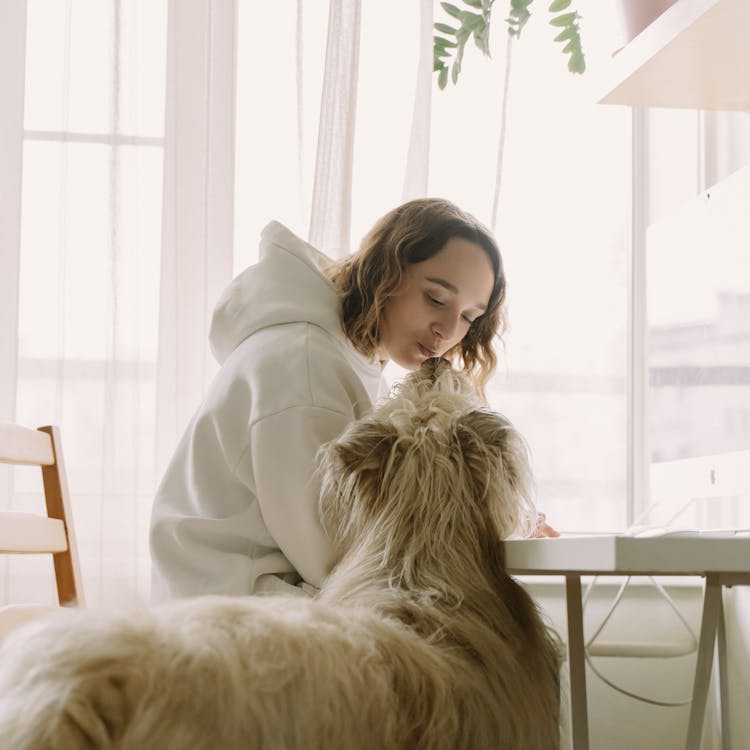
x=236 y=511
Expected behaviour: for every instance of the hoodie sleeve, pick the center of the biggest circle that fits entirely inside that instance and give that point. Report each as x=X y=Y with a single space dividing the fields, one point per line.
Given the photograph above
x=284 y=452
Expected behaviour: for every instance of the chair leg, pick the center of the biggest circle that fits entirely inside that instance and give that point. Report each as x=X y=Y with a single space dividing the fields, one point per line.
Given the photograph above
x=57 y=498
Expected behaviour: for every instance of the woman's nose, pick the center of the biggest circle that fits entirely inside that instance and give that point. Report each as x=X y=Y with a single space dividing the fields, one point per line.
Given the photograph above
x=445 y=327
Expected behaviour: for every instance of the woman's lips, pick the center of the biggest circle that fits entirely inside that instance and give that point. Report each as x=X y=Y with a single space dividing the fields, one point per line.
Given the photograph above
x=429 y=353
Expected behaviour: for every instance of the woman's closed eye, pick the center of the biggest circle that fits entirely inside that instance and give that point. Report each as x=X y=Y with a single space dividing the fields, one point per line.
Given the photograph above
x=439 y=303
x=434 y=300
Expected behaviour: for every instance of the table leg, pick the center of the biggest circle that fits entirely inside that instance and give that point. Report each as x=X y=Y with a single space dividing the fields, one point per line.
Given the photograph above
x=576 y=664
x=726 y=741
x=704 y=661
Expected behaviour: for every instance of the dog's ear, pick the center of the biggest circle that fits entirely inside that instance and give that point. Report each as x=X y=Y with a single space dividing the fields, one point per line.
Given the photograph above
x=498 y=461
x=352 y=468
x=360 y=450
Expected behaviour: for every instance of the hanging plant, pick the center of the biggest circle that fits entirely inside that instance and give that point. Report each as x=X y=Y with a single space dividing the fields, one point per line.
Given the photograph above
x=475 y=22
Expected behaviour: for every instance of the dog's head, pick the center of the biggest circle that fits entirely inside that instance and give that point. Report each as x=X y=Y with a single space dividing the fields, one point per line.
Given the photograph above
x=429 y=475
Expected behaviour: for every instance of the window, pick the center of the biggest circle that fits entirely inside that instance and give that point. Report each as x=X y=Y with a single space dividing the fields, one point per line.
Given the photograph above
x=89 y=271
x=698 y=272
x=562 y=218
x=562 y=226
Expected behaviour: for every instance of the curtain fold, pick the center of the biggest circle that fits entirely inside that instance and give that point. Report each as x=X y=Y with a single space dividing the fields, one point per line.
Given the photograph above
x=12 y=66
x=417 y=171
x=299 y=80
x=330 y=220
x=197 y=218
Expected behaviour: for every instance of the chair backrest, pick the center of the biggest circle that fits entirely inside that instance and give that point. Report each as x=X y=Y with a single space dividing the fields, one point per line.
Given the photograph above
x=24 y=533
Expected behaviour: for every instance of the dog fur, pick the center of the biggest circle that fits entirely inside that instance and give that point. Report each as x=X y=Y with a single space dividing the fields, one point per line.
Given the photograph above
x=418 y=640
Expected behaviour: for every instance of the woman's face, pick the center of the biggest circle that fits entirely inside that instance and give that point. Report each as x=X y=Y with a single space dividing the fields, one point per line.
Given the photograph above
x=435 y=304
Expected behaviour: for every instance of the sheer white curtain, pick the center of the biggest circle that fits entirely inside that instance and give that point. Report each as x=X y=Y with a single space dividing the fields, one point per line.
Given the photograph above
x=117 y=238
x=332 y=188
x=80 y=260
x=12 y=48
x=118 y=232
x=417 y=173
x=198 y=207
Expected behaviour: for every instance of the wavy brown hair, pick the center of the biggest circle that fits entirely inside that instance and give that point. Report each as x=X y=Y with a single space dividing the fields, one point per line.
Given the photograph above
x=412 y=233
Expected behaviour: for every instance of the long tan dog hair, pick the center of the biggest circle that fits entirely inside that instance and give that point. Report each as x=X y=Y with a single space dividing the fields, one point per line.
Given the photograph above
x=418 y=640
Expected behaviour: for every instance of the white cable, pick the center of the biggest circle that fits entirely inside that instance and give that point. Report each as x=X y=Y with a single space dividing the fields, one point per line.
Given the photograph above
x=636 y=696
x=615 y=602
x=676 y=610
x=605 y=620
x=612 y=607
x=672 y=518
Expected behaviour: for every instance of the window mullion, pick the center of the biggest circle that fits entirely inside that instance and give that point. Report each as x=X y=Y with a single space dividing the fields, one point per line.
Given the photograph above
x=115 y=139
x=637 y=369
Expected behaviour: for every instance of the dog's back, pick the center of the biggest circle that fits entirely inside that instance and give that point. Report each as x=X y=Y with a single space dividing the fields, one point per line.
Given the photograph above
x=250 y=673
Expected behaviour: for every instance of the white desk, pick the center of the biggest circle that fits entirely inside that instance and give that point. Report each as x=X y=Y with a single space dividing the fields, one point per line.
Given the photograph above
x=721 y=561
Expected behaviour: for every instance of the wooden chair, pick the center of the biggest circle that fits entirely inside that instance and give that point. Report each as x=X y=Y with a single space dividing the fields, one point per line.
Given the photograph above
x=28 y=533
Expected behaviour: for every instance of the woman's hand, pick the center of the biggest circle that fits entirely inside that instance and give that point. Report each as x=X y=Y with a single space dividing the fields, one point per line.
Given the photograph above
x=542 y=528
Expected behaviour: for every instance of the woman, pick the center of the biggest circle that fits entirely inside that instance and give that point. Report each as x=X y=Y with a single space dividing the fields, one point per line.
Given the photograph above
x=302 y=342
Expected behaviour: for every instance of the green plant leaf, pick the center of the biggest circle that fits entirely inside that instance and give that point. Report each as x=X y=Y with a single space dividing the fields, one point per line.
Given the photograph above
x=472 y=21
x=482 y=40
x=469 y=23
x=564 y=20
x=568 y=33
x=519 y=15
x=445 y=29
x=577 y=63
x=451 y=10
x=443 y=43
x=462 y=36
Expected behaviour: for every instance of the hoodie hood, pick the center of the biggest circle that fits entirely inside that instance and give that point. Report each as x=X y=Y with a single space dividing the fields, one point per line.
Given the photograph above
x=287 y=285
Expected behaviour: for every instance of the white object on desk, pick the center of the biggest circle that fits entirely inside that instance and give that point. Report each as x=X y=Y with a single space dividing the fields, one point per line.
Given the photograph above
x=647 y=531
x=723 y=561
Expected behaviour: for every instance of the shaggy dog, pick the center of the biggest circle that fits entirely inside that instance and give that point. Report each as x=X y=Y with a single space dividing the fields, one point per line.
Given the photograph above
x=418 y=640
